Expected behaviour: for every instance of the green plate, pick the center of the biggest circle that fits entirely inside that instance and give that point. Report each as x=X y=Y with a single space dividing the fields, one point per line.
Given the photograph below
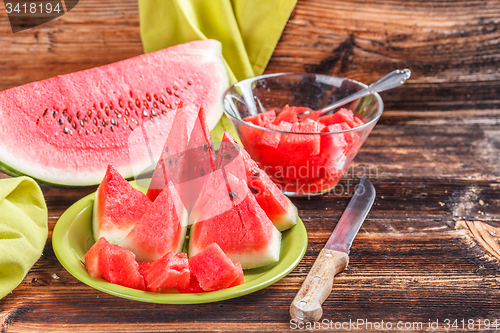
x=72 y=237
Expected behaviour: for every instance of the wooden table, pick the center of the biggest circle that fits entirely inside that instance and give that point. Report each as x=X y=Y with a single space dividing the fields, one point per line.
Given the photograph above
x=427 y=250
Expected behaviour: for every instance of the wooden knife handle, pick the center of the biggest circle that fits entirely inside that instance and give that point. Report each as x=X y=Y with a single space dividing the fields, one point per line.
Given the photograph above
x=306 y=305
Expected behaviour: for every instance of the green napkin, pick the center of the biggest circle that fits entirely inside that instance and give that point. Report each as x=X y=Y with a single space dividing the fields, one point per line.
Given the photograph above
x=23 y=229
x=248 y=30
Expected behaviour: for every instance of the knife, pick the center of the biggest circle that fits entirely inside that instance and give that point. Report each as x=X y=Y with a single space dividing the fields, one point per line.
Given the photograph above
x=333 y=258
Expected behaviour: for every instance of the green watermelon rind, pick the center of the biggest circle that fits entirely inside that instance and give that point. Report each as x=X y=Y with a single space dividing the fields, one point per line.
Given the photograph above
x=16 y=173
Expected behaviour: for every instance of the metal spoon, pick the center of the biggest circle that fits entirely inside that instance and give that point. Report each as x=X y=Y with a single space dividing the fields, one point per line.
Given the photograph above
x=391 y=80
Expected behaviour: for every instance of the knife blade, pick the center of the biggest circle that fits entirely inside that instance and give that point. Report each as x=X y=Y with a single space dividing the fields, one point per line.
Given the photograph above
x=333 y=258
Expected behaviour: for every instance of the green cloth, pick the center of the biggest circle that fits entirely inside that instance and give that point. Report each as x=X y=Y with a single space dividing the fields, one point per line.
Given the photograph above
x=248 y=30
x=23 y=229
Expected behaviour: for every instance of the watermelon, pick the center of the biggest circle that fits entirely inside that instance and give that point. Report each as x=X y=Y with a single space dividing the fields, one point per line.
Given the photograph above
x=193 y=287
x=118 y=207
x=173 y=156
x=113 y=264
x=190 y=153
x=242 y=230
x=214 y=270
x=161 y=229
x=66 y=130
x=278 y=208
x=170 y=271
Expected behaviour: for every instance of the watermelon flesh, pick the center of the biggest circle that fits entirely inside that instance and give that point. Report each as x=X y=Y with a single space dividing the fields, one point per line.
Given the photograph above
x=118 y=207
x=161 y=229
x=243 y=230
x=113 y=264
x=170 y=271
x=66 y=130
x=302 y=163
x=278 y=208
x=214 y=270
x=173 y=157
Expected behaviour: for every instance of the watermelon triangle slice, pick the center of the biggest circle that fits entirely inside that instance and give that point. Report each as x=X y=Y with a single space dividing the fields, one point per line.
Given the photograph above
x=242 y=230
x=173 y=156
x=118 y=207
x=200 y=163
x=162 y=228
x=279 y=209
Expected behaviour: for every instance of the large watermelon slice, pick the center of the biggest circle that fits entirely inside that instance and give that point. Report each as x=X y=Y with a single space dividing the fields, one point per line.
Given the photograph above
x=161 y=229
x=242 y=230
x=66 y=130
x=118 y=207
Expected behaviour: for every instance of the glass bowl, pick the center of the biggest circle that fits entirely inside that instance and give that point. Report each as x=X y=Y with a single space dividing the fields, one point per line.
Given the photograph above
x=301 y=164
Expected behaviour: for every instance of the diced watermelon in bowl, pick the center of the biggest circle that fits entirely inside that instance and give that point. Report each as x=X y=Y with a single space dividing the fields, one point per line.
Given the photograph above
x=305 y=157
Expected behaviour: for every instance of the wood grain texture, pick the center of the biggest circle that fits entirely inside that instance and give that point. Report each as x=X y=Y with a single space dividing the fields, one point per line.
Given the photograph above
x=433 y=158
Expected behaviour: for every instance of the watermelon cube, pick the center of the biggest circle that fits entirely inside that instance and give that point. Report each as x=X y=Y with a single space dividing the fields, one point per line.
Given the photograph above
x=170 y=271
x=241 y=277
x=302 y=145
x=194 y=286
x=342 y=115
x=261 y=119
x=113 y=264
x=288 y=114
x=213 y=269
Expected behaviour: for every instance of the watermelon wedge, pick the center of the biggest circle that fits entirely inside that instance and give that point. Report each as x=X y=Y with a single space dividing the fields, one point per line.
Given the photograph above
x=278 y=208
x=66 y=130
x=243 y=231
x=160 y=230
x=173 y=156
x=118 y=207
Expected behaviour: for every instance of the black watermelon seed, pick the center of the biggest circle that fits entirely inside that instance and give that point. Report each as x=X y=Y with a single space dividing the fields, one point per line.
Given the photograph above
x=119 y=115
x=155 y=97
x=169 y=91
x=162 y=101
x=175 y=87
x=113 y=121
x=202 y=173
x=205 y=146
x=79 y=132
x=155 y=105
x=112 y=129
x=95 y=121
x=116 y=112
x=130 y=105
x=254 y=190
x=86 y=119
x=38 y=120
x=81 y=123
x=130 y=125
x=45 y=112
x=106 y=109
x=227 y=156
x=120 y=103
x=69 y=119
x=151 y=118
x=148 y=97
x=256 y=175
x=98 y=114
x=166 y=149
x=90 y=113
x=78 y=115
x=64 y=112
x=169 y=162
x=233 y=195
x=87 y=131
x=61 y=121
x=176 y=94
x=153 y=112
x=74 y=125
x=103 y=123
x=54 y=114
x=138 y=103
x=145 y=103
x=145 y=113
x=163 y=112
x=66 y=130
x=168 y=105
x=190 y=82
